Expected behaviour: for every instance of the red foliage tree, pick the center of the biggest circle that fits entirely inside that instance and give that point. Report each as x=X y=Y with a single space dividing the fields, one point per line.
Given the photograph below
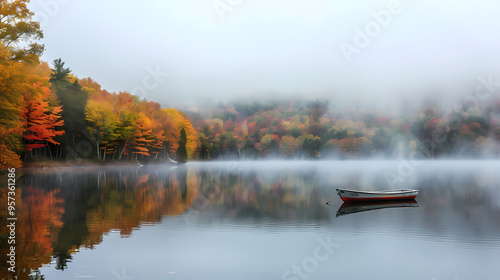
x=42 y=121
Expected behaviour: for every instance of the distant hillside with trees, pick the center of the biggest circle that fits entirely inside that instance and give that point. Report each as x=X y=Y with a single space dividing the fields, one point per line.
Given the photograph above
x=310 y=129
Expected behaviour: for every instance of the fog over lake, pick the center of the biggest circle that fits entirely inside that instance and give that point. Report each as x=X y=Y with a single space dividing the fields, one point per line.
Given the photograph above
x=400 y=51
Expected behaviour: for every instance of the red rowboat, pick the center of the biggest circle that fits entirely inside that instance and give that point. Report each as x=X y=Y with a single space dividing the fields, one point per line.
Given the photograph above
x=353 y=195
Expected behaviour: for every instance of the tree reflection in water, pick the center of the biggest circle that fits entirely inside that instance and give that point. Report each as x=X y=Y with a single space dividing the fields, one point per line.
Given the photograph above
x=65 y=209
x=62 y=210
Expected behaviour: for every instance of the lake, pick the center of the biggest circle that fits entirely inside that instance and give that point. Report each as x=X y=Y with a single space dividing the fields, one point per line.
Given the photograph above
x=257 y=220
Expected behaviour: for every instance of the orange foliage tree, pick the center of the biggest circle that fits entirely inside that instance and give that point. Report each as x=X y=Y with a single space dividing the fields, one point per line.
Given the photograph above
x=41 y=120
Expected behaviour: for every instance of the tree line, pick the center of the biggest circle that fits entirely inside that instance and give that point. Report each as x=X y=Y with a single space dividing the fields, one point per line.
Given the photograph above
x=310 y=129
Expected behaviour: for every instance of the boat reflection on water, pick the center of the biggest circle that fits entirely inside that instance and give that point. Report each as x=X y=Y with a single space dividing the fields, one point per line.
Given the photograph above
x=356 y=207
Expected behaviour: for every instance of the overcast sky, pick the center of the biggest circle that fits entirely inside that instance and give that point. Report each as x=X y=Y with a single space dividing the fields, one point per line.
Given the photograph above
x=221 y=50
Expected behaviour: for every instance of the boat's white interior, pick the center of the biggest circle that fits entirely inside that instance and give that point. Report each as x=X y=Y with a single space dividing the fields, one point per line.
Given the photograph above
x=380 y=192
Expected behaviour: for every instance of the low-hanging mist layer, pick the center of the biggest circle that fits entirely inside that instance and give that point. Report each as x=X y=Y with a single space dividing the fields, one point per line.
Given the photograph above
x=382 y=53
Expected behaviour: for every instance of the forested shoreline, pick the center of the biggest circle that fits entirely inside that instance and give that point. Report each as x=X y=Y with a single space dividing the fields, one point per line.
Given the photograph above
x=48 y=114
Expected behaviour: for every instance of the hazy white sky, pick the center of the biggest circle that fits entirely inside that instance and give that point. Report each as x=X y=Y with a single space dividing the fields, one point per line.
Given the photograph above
x=227 y=49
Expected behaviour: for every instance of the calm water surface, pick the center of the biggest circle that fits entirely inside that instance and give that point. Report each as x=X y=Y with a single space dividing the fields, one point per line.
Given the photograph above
x=258 y=220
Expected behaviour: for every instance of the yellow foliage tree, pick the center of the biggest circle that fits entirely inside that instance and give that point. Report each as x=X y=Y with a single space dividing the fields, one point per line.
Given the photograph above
x=193 y=141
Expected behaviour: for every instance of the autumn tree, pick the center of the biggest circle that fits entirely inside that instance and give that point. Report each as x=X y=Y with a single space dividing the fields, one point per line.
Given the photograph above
x=204 y=149
x=18 y=32
x=18 y=47
x=268 y=145
x=192 y=140
x=142 y=138
x=288 y=146
x=103 y=125
x=27 y=96
x=12 y=84
x=312 y=146
x=166 y=134
x=42 y=122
